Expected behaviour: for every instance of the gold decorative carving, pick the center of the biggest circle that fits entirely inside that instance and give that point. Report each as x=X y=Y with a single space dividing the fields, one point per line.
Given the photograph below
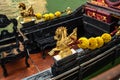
x=63 y=41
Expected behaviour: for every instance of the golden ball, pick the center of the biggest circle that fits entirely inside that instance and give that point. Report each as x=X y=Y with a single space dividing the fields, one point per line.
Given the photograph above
x=83 y=42
x=92 y=43
x=51 y=16
x=46 y=17
x=106 y=37
x=57 y=13
x=100 y=42
x=38 y=15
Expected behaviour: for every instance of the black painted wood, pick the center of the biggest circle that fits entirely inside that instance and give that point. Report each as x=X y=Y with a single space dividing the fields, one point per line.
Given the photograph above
x=7 y=45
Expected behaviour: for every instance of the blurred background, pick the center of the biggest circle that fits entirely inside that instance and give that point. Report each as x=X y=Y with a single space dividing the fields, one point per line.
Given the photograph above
x=11 y=10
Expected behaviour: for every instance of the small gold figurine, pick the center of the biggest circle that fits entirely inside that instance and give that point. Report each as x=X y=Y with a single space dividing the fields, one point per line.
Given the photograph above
x=25 y=12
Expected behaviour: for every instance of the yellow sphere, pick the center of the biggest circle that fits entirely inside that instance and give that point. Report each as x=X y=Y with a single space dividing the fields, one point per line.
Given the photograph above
x=92 y=43
x=38 y=15
x=100 y=42
x=46 y=17
x=51 y=16
x=83 y=42
x=106 y=37
x=57 y=13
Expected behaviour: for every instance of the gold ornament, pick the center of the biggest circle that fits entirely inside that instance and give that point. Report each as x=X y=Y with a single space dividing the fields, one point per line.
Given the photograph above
x=38 y=15
x=100 y=42
x=57 y=13
x=83 y=42
x=92 y=43
x=63 y=40
x=46 y=17
x=106 y=37
x=51 y=16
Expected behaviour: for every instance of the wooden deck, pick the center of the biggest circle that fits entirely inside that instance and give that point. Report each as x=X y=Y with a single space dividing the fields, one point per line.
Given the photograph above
x=17 y=70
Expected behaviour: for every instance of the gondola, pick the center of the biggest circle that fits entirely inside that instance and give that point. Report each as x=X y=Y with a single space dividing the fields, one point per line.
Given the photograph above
x=91 y=19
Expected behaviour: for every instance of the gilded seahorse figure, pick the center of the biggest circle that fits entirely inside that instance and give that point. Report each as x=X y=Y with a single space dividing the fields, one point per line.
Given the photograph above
x=63 y=41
